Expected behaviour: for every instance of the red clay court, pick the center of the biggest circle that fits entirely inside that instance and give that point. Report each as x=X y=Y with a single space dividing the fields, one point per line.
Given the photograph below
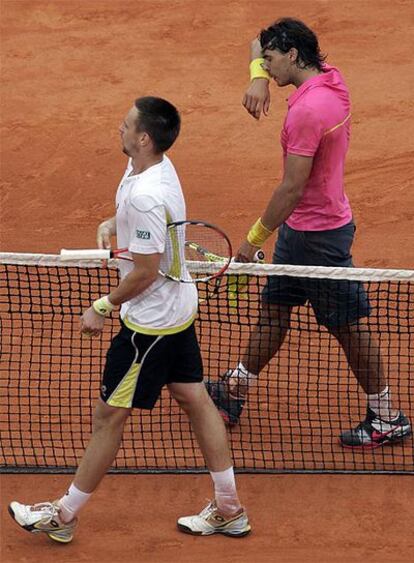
x=70 y=70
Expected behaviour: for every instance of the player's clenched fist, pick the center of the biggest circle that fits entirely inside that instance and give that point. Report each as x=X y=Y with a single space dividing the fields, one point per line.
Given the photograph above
x=91 y=323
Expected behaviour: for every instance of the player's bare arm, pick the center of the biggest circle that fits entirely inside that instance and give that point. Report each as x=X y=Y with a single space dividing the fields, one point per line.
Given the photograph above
x=256 y=100
x=288 y=194
x=145 y=272
x=142 y=276
x=284 y=199
x=106 y=230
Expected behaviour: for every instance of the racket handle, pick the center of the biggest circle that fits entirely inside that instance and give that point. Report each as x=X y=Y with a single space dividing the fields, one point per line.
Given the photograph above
x=92 y=254
x=259 y=256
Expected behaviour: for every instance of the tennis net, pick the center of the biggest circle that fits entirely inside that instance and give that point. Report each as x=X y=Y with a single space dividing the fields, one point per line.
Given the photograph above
x=305 y=397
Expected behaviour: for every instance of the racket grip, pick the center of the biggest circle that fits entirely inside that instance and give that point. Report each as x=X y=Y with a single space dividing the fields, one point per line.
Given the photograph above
x=259 y=256
x=92 y=254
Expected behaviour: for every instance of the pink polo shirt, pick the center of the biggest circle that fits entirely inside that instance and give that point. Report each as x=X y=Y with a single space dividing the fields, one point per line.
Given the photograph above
x=318 y=125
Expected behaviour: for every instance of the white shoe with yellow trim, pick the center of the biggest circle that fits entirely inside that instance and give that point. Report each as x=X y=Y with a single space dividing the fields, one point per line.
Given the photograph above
x=43 y=517
x=211 y=521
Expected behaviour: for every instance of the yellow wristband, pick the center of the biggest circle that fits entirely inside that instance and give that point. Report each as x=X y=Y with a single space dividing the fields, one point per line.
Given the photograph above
x=257 y=70
x=103 y=306
x=258 y=234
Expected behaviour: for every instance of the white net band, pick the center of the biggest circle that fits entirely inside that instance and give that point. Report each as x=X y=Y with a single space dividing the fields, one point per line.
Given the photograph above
x=320 y=272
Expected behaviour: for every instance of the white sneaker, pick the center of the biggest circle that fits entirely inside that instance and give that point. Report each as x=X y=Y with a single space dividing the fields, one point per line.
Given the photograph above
x=210 y=521
x=43 y=517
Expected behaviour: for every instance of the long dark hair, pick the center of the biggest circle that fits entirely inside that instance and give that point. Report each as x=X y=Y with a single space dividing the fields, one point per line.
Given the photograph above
x=287 y=33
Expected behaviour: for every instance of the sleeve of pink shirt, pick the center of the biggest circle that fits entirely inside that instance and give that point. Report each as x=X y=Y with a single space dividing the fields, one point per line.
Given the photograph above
x=304 y=131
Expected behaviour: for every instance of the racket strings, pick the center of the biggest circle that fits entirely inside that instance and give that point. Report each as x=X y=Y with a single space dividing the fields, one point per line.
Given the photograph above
x=204 y=244
x=195 y=251
x=173 y=263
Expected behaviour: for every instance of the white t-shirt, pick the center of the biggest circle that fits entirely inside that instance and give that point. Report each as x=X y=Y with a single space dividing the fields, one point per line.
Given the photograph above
x=145 y=203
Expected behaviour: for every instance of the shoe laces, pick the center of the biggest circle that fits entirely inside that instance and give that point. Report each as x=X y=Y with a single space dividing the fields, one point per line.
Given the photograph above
x=226 y=375
x=231 y=387
x=46 y=507
x=209 y=509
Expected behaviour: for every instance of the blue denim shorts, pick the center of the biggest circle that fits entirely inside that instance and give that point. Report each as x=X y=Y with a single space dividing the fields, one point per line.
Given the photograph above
x=335 y=302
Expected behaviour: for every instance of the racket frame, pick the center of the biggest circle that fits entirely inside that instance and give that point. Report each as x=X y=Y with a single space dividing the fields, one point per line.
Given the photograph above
x=120 y=254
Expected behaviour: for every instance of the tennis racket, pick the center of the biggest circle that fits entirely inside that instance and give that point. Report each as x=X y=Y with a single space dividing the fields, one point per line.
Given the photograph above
x=258 y=256
x=195 y=251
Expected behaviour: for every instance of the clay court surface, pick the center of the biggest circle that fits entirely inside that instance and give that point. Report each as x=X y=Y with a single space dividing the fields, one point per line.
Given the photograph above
x=70 y=71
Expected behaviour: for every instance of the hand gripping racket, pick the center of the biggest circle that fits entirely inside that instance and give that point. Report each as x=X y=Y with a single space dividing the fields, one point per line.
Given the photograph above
x=196 y=251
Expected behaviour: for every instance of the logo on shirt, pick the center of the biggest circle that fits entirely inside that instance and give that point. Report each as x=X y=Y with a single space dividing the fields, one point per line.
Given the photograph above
x=143 y=234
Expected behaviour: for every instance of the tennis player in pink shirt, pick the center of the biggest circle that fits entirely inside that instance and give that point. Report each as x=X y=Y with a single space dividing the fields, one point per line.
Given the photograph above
x=315 y=228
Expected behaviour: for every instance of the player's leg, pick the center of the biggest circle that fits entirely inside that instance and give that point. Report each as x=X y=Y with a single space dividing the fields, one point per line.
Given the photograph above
x=265 y=342
x=185 y=382
x=230 y=392
x=58 y=518
x=224 y=514
x=364 y=357
x=108 y=427
x=134 y=374
x=279 y=296
x=384 y=423
x=342 y=307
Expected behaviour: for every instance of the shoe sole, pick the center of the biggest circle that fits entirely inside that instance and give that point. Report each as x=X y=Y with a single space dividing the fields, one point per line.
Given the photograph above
x=59 y=540
x=186 y=530
x=375 y=445
x=36 y=531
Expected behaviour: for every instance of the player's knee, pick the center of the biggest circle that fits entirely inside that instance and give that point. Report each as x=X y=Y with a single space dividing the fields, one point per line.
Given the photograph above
x=106 y=417
x=274 y=325
x=189 y=396
x=272 y=314
x=343 y=334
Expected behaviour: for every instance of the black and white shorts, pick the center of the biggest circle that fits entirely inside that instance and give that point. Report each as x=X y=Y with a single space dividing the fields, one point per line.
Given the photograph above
x=139 y=365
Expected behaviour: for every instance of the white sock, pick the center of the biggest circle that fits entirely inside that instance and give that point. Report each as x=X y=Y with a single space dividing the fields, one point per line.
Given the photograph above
x=225 y=491
x=240 y=381
x=380 y=403
x=72 y=502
